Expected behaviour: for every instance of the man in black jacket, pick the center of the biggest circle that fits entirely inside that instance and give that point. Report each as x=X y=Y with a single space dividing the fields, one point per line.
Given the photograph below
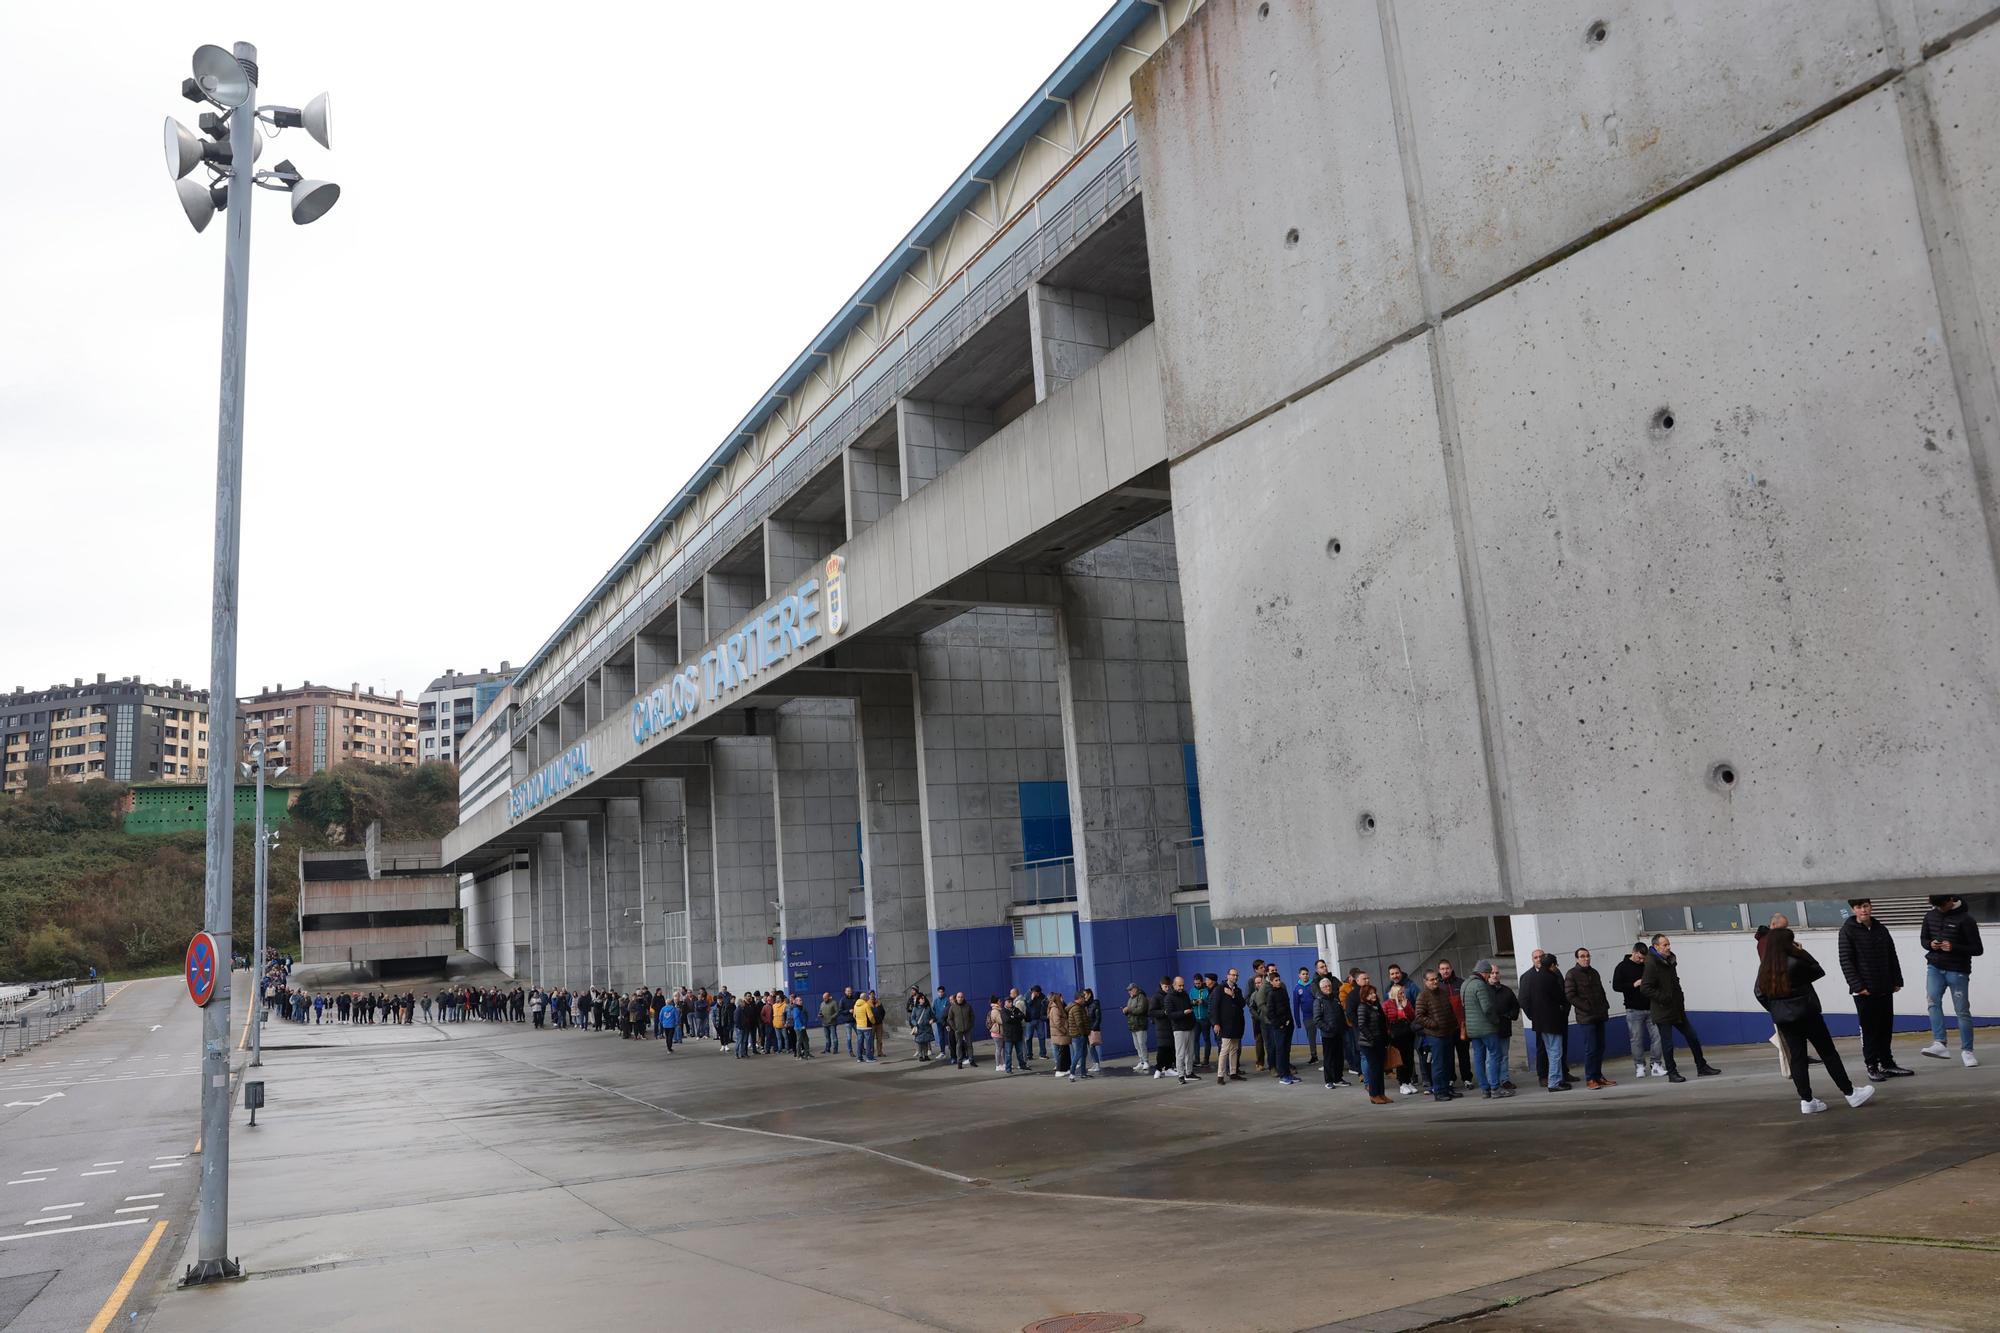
x=1179 y=1006
x=1661 y=984
x=1227 y=1008
x=1639 y=1034
x=1331 y=1025
x=1951 y=942
x=1547 y=1009
x=1874 y=974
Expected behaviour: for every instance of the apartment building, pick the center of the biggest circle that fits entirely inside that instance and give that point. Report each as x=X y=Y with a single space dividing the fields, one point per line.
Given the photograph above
x=312 y=727
x=447 y=707
x=123 y=730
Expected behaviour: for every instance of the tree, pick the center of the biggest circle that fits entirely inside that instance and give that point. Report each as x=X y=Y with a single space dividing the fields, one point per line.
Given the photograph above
x=52 y=952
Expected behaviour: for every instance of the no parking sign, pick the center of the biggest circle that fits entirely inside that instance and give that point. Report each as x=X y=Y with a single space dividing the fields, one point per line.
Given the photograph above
x=201 y=968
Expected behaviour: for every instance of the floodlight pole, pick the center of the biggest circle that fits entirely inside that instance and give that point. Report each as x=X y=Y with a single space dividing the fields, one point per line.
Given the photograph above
x=212 y=1261
x=257 y=754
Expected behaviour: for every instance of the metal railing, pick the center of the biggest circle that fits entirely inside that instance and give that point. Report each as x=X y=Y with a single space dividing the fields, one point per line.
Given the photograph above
x=27 y=1022
x=814 y=443
x=1052 y=880
x=1191 y=863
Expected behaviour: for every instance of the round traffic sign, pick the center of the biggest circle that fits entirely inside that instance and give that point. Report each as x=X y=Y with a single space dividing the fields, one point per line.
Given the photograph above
x=201 y=967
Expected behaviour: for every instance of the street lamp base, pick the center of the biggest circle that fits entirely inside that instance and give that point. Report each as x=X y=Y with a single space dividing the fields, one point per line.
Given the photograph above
x=203 y=1271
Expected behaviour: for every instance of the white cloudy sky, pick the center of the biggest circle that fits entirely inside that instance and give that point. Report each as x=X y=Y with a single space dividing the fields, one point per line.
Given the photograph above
x=574 y=243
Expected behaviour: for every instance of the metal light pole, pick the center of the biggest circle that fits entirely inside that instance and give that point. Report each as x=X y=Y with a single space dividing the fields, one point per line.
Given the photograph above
x=229 y=82
x=262 y=912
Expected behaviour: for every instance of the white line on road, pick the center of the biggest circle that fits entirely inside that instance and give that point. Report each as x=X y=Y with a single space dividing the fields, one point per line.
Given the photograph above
x=38 y=1171
x=160 y=1166
x=170 y=1157
x=89 y=1226
x=97 y=1173
x=134 y=1198
x=119 y=1162
x=52 y=1207
x=31 y=1180
x=39 y=1221
x=142 y=1208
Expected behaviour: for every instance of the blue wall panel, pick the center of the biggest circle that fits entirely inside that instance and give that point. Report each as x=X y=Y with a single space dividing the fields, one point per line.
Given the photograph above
x=1137 y=949
x=978 y=960
x=1060 y=972
x=1045 y=827
x=816 y=965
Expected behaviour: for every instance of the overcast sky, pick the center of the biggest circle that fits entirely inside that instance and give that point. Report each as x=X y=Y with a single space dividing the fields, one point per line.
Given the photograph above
x=573 y=244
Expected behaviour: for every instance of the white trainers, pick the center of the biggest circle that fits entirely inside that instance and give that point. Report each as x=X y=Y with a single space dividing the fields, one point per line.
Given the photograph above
x=1059 y=1074
x=1935 y=1051
x=1971 y=1060
x=1159 y=1073
x=1860 y=1094
x=962 y=1064
x=1140 y=1066
x=1811 y=1107
x=1638 y=1071
x=1659 y=1070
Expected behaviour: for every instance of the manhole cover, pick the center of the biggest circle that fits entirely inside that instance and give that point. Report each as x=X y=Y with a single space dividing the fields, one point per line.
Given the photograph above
x=1090 y=1321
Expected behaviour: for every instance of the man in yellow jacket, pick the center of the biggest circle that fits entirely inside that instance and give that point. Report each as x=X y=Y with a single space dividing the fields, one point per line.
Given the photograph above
x=866 y=1019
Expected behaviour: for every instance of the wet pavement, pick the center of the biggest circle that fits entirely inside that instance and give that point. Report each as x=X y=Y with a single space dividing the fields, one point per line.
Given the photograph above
x=491 y=1175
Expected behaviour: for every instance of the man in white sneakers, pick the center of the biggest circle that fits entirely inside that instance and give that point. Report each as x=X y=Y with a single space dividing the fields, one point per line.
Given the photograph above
x=1951 y=942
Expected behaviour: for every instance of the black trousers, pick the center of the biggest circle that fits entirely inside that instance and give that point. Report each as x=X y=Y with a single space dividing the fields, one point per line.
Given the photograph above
x=1163 y=1051
x=1686 y=1029
x=1812 y=1029
x=1878 y=1021
x=1333 y=1049
x=1463 y=1047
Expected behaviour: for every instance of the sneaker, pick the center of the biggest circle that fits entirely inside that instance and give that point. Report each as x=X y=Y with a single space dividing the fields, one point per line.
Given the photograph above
x=1559 y=1087
x=1659 y=1070
x=963 y=1063
x=1059 y=1073
x=1072 y=1078
x=1812 y=1107
x=1971 y=1060
x=1222 y=1078
x=1858 y=1096
x=1638 y=1071
x=1485 y=1094
x=1508 y=1084
x=1181 y=1079
x=1876 y=1073
x=1288 y=1080
x=1159 y=1073
x=1935 y=1051
x=1405 y=1089
x=1706 y=1071
x=1340 y=1083
x=1677 y=1078
x=1237 y=1077
x=1897 y=1071
x=1140 y=1066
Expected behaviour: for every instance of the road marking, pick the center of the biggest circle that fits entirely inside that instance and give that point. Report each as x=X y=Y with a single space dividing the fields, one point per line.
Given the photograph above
x=161 y=1166
x=88 y=1226
x=37 y=1102
x=133 y=1198
x=82 y=1082
x=141 y=1208
x=119 y=1162
x=31 y=1180
x=52 y=1207
x=97 y=1173
x=40 y=1221
x=125 y=1284
x=169 y=1156
x=38 y=1171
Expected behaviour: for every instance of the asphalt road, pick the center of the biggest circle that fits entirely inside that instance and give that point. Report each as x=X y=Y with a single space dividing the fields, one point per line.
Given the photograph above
x=97 y=1138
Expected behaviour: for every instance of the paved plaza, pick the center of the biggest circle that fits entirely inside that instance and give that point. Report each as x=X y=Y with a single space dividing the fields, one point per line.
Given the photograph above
x=495 y=1176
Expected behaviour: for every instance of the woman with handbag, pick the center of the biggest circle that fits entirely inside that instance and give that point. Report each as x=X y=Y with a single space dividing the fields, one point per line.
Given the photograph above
x=1371 y=1040
x=1785 y=980
x=1400 y=1013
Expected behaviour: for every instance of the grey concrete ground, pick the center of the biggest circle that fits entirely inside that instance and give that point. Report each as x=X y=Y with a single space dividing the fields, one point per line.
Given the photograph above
x=493 y=1176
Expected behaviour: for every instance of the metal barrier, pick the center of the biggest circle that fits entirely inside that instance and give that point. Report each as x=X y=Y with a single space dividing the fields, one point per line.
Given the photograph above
x=57 y=1007
x=1191 y=863
x=1049 y=881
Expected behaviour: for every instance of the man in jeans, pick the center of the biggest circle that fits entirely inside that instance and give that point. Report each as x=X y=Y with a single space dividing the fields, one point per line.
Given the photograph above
x=1951 y=942
x=1590 y=1007
x=1486 y=1028
x=1302 y=1013
x=1874 y=974
x=1439 y=1026
x=1661 y=982
x=1638 y=1016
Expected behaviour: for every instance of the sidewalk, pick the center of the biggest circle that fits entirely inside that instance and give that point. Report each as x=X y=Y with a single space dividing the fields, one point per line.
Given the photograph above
x=492 y=1175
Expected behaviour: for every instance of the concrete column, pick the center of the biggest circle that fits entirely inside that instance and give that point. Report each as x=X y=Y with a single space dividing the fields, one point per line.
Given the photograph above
x=874 y=484
x=691 y=622
x=662 y=870
x=698 y=861
x=897 y=934
x=1070 y=331
x=1122 y=678
x=657 y=650
x=729 y=598
x=620 y=685
x=623 y=874
x=819 y=815
x=746 y=860
x=576 y=903
x=521 y=911
x=792 y=547
x=933 y=436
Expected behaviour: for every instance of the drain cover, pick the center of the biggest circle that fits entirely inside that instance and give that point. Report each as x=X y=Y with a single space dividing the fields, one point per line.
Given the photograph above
x=1090 y=1321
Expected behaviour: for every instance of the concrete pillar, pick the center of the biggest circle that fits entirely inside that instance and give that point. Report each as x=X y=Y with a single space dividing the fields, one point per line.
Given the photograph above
x=933 y=436
x=746 y=860
x=623 y=876
x=521 y=911
x=874 y=484
x=1070 y=331
x=620 y=685
x=1123 y=682
x=698 y=860
x=895 y=944
x=691 y=622
x=662 y=872
x=573 y=903
x=729 y=598
x=819 y=815
x=657 y=650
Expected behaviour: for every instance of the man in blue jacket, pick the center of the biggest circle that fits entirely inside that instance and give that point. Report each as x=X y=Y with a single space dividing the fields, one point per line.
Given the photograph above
x=1302 y=1013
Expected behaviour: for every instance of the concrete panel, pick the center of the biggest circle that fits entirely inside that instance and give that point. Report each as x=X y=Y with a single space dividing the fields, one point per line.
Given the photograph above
x=1532 y=131
x=1938 y=19
x=1793 y=581
x=1334 y=687
x=1276 y=220
x=624 y=872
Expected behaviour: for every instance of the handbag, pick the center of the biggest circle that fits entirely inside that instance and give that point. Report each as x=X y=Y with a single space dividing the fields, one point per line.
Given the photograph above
x=1395 y=1059
x=1096 y=1038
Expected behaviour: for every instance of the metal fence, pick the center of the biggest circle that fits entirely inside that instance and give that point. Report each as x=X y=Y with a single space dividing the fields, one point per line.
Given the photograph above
x=1191 y=863
x=27 y=1022
x=1049 y=881
x=818 y=441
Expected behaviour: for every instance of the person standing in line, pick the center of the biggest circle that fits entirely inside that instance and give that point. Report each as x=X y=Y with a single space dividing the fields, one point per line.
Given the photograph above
x=1453 y=985
x=1591 y=1009
x=1036 y=1010
x=1486 y=1029
x=847 y=999
x=1055 y=1018
x=670 y=1025
x=1302 y=1013
x=1012 y=1041
x=947 y=1042
x=1639 y=1033
x=802 y=1046
x=958 y=1017
x=1278 y=1027
x=1785 y=978
x=829 y=1022
x=1163 y=1028
x=1399 y=1012
x=1331 y=1026
x=1227 y=1012
x=1346 y=992
x=1547 y=1009
x=1661 y=983
x=1260 y=1044
x=865 y=1020
x=1136 y=1011
x=1951 y=942
x=1094 y=1032
x=996 y=1029
x=1076 y=1017
x=1874 y=974
x=1180 y=1019
x=1204 y=1040
x=923 y=1024
x=1371 y=1037
x=1439 y=1026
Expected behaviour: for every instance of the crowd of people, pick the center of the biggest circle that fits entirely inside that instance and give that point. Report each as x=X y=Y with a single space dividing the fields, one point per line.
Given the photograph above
x=1438 y=1034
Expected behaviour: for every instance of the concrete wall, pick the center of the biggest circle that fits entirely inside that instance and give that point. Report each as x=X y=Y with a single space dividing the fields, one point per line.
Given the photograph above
x=1070 y=331
x=746 y=859
x=818 y=815
x=1583 y=432
x=933 y=436
x=497 y=911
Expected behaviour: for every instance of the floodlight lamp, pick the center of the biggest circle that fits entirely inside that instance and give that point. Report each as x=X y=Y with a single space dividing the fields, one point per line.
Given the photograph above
x=221 y=76
x=311 y=200
x=184 y=149
x=192 y=91
x=316 y=118
x=200 y=201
